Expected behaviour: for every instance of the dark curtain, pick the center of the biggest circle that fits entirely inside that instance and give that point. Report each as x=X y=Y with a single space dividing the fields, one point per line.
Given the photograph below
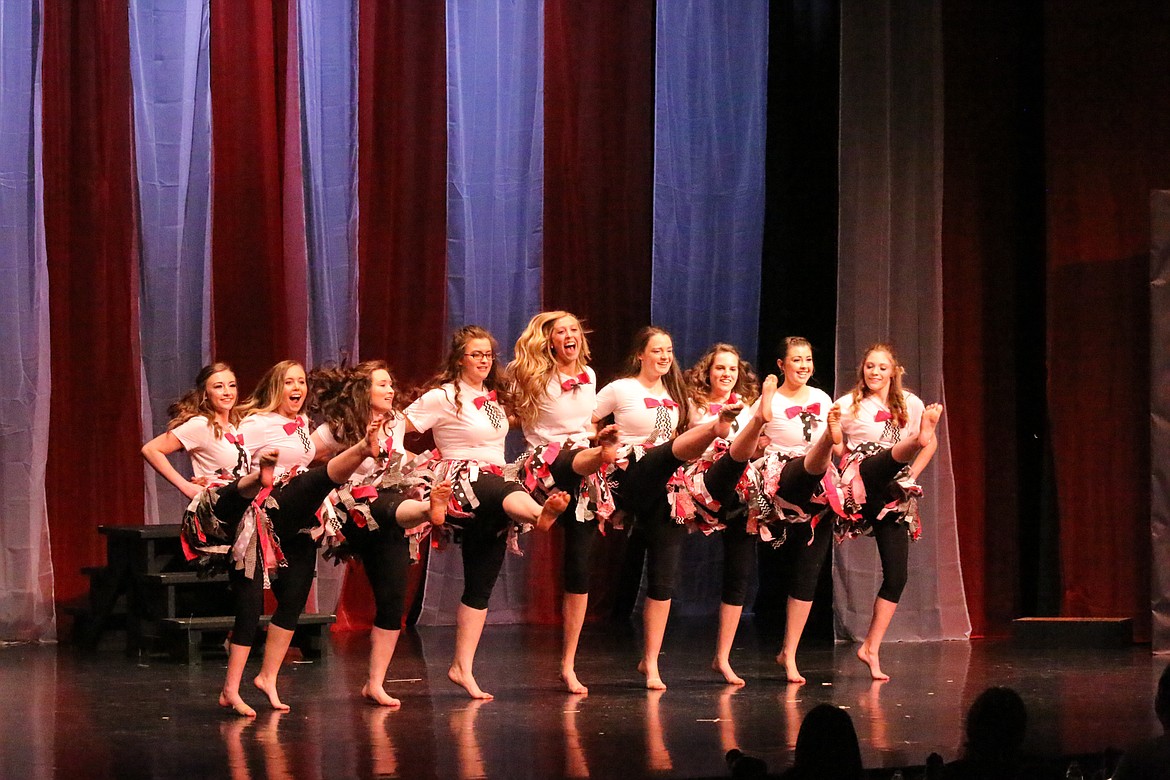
x=798 y=280
x=993 y=259
x=94 y=473
x=252 y=322
x=402 y=165
x=1107 y=74
x=598 y=197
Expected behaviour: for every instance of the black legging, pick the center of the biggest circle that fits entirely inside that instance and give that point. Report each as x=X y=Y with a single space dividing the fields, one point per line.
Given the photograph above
x=739 y=546
x=229 y=509
x=385 y=555
x=642 y=490
x=579 y=536
x=298 y=500
x=485 y=539
x=893 y=542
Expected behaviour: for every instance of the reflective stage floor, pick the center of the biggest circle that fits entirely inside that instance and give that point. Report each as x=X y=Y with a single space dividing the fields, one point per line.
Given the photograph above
x=105 y=715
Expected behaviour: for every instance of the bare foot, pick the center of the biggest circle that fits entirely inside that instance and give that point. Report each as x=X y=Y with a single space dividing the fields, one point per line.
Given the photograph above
x=269 y=688
x=608 y=439
x=653 y=680
x=440 y=495
x=726 y=417
x=572 y=684
x=929 y=420
x=267 y=464
x=870 y=659
x=378 y=695
x=789 y=664
x=767 y=392
x=833 y=419
x=724 y=668
x=467 y=682
x=237 y=705
x=553 y=506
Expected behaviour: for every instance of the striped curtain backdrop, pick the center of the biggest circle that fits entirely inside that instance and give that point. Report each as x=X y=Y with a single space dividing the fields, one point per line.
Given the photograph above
x=330 y=181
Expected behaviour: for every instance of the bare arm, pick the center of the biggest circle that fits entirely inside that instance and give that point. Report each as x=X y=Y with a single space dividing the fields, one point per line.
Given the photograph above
x=155 y=453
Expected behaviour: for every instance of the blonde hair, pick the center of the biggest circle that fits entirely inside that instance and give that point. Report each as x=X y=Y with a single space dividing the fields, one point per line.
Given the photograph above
x=195 y=402
x=535 y=362
x=269 y=390
x=895 y=399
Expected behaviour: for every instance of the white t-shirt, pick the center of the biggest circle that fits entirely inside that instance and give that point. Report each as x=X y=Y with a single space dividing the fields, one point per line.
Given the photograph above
x=864 y=426
x=390 y=439
x=787 y=430
x=291 y=437
x=209 y=455
x=627 y=400
x=565 y=411
x=468 y=435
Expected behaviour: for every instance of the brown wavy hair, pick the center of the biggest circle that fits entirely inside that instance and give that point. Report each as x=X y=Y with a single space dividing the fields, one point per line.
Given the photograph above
x=534 y=363
x=340 y=396
x=450 y=371
x=698 y=377
x=266 y=397
x=195 y=402
x=895 y=400
x=673 y=379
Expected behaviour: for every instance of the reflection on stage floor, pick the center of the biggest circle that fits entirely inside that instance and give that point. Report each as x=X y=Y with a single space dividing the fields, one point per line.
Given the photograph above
x=104 y=715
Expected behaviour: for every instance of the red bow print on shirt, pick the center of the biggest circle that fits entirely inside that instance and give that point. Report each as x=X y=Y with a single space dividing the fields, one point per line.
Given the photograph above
x=882 y=416
x=813 y=409
x=717 y=408
x=291 y=427
x=652 y=403
x=483 y=399
x=236 y=438
x=575 y=382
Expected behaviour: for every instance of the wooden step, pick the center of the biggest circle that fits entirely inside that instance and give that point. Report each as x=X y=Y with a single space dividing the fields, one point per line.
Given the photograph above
x=174 y=578
x=186 y=634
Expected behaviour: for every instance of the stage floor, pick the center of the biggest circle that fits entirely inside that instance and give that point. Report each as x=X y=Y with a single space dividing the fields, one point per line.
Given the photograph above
x=104 y=715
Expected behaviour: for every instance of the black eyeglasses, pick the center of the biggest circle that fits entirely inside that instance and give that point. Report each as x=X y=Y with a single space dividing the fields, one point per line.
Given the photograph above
x=480 y=355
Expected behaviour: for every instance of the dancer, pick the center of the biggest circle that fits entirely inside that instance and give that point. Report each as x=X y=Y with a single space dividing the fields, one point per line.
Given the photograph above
x=720 y=378
x=655 y=442
x=203 y=422
x=788 y=484
x=273 y=422
x=889 y=437
x=383 y=497
x=464 y=406
x=555 y=393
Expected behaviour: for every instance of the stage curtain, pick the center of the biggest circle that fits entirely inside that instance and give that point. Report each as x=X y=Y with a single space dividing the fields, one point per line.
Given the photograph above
x=402 y=165
x=495 y=161
x=254 y=321
x=1107 y=72
x=890 y=285
x=328 y=54
x=94 y=469
x=26 y=566
x=169 y=65
x=599 y=168
x=710 y=110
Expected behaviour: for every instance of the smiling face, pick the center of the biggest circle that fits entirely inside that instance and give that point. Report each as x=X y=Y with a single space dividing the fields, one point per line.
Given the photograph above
x=656 y=357
x=381 y=392
x=797 y=366
x=293 y=391
x=221 y=391
x=723 y=374
x=877 y=370
x=476 y=363
x=565 y=341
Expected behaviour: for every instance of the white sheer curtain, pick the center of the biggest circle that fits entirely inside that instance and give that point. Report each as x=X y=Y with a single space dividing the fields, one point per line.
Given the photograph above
x=890 y=284
x=170 y=67
x=26 y=568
